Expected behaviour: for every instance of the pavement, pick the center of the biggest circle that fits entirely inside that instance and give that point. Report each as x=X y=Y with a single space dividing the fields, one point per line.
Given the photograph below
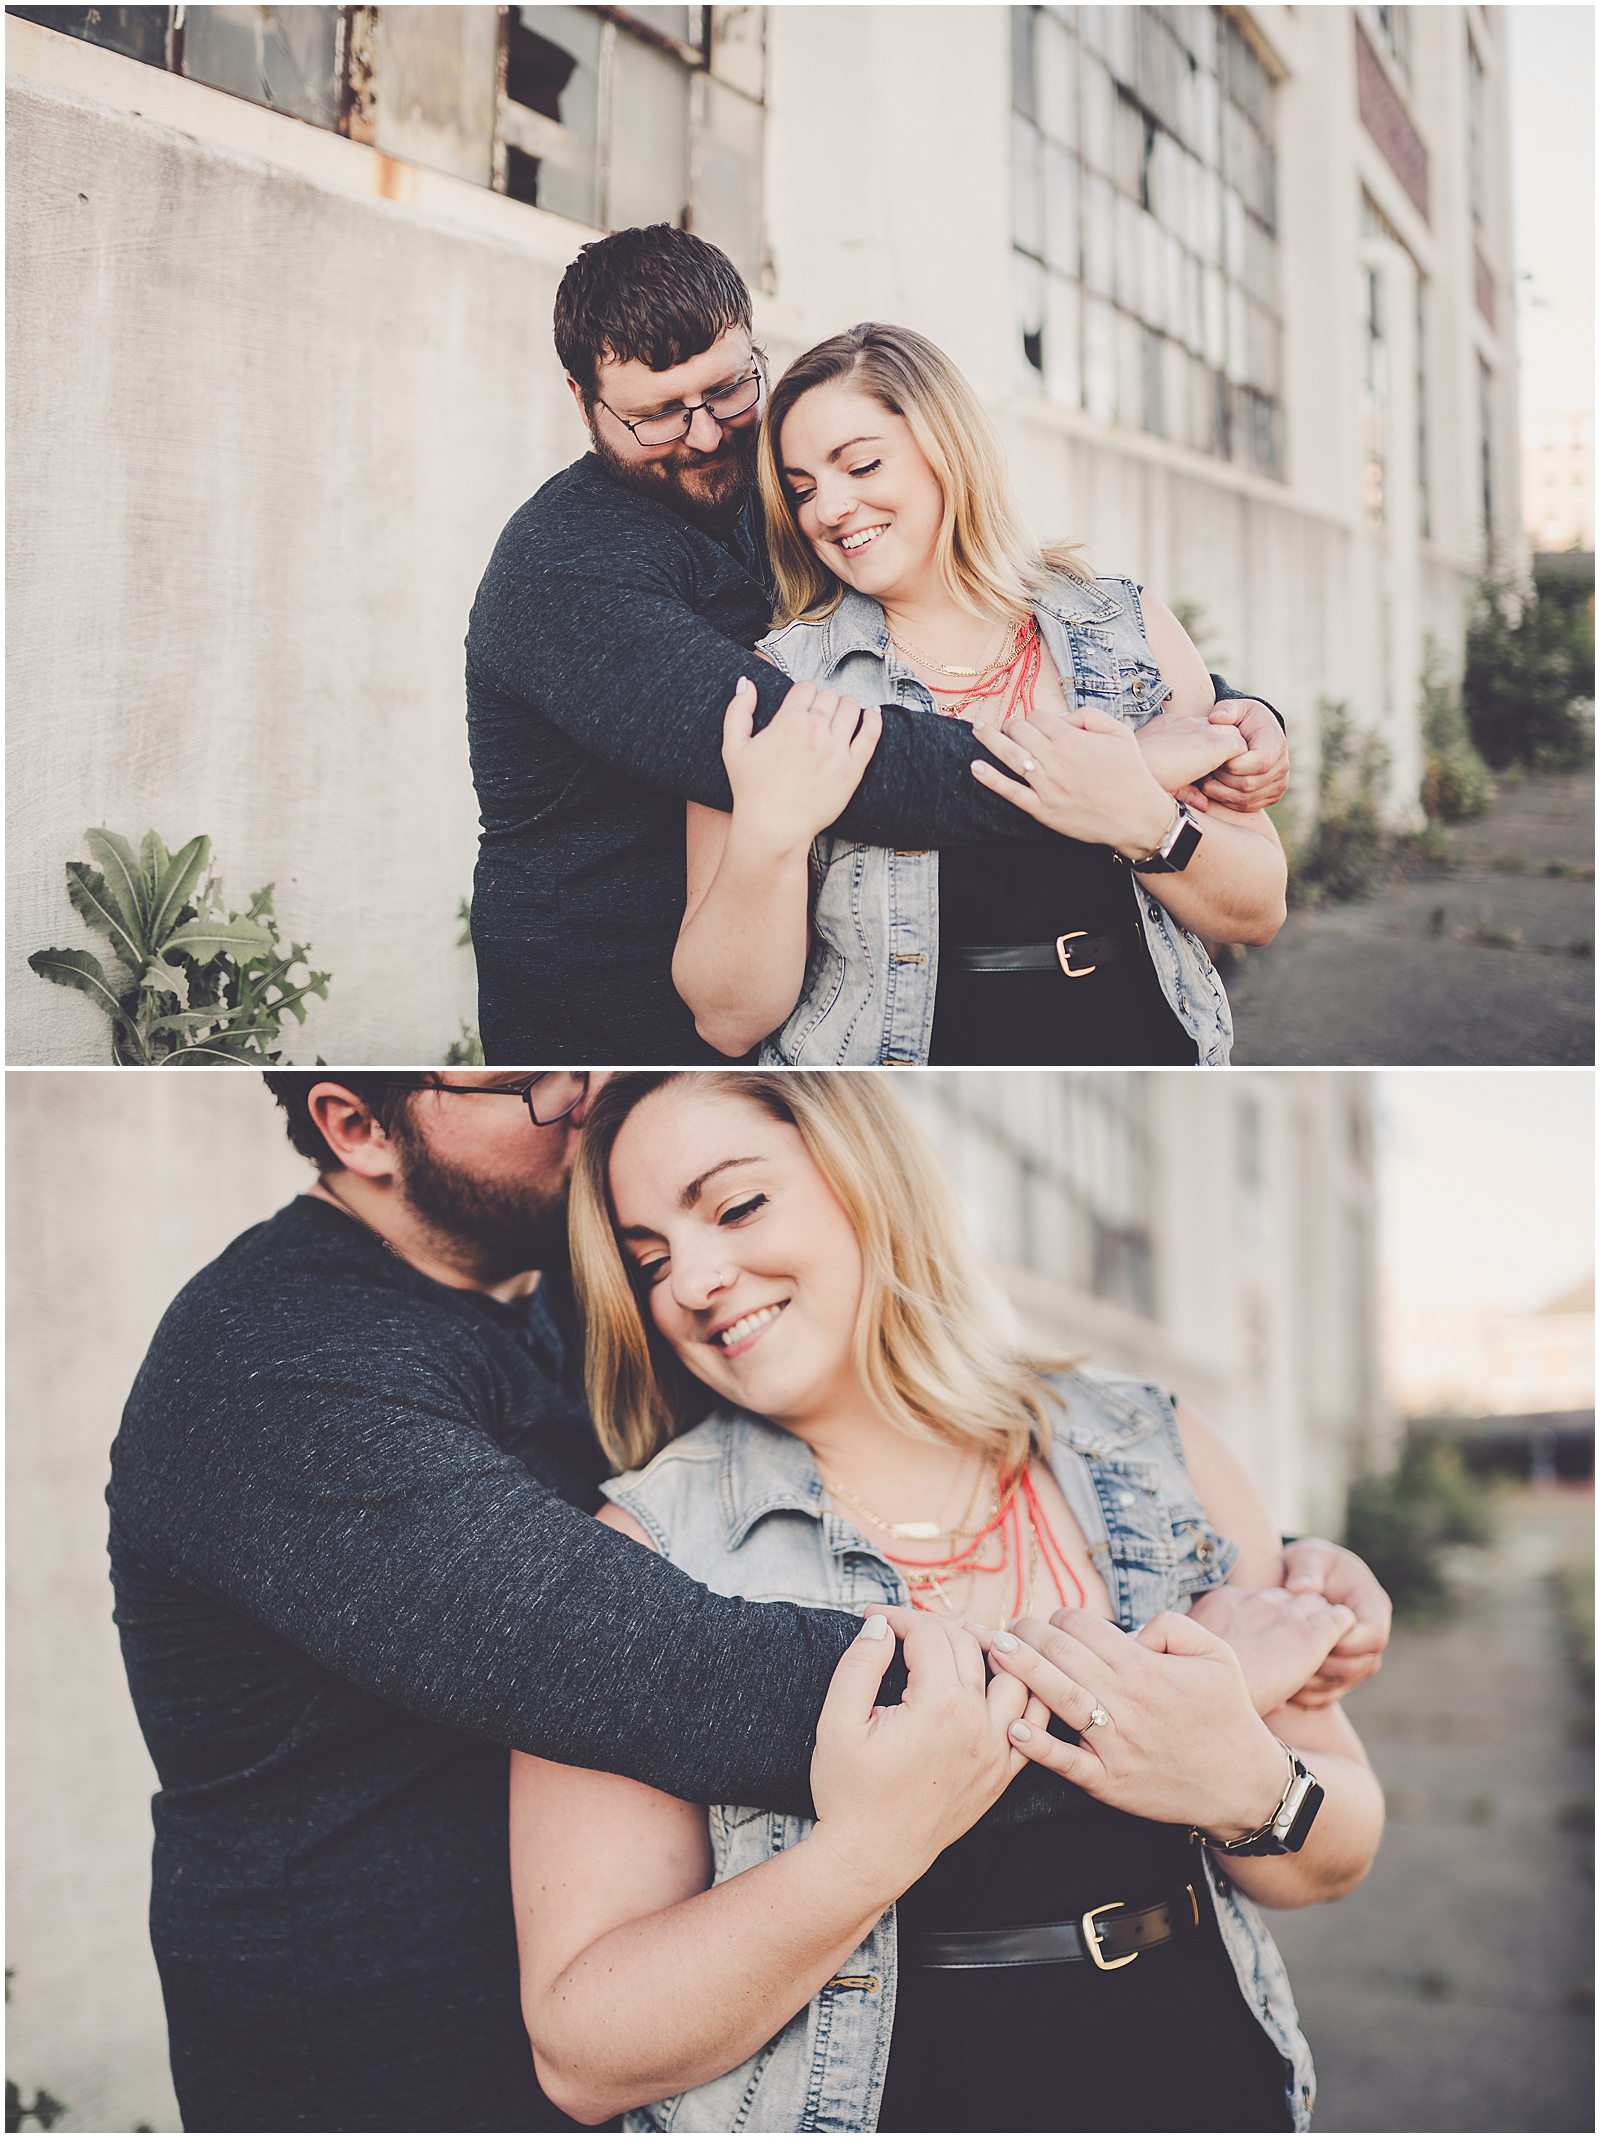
x=1453 y=1990
x=1487 y=958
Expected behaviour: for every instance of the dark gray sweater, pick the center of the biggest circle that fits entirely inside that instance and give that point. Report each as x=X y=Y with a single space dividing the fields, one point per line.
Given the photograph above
x=352 y=1565
x=608 y=635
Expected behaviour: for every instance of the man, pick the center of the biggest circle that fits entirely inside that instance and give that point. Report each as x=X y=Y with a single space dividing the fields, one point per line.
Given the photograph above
x=353 y=1562
x=609 y=632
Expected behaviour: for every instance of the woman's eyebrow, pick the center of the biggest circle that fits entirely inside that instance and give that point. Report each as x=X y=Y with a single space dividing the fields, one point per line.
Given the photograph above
x=691 y=1194
x=869 y=439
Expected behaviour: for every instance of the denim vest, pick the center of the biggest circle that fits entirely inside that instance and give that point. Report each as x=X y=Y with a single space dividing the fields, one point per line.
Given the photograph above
x=873 y=966
x=739 y=1505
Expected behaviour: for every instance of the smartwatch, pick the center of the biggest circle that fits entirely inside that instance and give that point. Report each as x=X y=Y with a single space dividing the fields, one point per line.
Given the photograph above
x=1285 y=1832
x=1175 y=850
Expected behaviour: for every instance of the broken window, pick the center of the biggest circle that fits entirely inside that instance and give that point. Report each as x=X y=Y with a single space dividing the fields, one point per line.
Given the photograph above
x=1144 y=173
x=288 y=58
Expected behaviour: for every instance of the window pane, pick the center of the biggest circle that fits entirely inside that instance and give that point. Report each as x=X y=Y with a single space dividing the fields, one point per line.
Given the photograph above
x=1099 y=236
x=136 y=32
x=1060 y=210
x=1062 y=369
x=1027 y=205
x=738 y=48
x=284 y=57
x=649 y=176
x=1056 y=78
x=1099 y=360
x=728 y=210
x=552 y=72
x=1097 y=102
x=670 y=21
x=436 y=69
x=1029 y=298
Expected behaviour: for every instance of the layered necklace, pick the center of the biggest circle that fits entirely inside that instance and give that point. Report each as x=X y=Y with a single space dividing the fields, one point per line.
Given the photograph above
x=1013 y=674
x=1015 y=1519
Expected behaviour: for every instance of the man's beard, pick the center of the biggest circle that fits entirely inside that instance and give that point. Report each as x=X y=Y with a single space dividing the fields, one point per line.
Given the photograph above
x=497 y=1226
x=723 y=482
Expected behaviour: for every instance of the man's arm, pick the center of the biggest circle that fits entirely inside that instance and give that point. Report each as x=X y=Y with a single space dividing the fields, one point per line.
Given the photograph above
x=352 y=1506
x=613 y=654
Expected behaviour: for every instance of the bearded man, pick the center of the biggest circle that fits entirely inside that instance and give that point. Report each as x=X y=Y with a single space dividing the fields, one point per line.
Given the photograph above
x=612 y=627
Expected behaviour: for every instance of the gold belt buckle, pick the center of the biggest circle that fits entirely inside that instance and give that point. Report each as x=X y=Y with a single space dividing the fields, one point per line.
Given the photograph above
x=1078 y=972
x=1091 y=1936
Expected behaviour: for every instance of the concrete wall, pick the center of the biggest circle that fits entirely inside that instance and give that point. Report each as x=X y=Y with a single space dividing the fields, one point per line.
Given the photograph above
x=118 y=1189
x=265 y=427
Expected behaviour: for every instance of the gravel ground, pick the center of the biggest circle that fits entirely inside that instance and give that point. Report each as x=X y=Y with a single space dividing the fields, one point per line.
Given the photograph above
x=1447 y=1992
x=1487 y=959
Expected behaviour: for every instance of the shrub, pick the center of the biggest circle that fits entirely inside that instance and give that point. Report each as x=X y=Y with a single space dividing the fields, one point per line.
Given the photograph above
x=1342 y=855
x=1401 y=1523
x=1528 y=690
x=1456 y=784
x=198 y=983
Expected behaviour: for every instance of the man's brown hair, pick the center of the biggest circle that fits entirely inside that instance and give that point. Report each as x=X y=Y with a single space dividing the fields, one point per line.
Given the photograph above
x=653 y=296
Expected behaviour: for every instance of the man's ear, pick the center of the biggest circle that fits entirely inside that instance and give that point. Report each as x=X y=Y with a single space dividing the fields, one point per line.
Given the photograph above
x=581 y=398
x=349 y=1128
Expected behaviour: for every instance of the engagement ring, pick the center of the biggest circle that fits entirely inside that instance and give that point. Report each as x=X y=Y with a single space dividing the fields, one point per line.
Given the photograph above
x=1097 y=1717
x=1030 y=764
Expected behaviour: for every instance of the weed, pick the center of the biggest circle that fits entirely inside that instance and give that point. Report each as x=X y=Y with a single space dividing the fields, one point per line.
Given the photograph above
x=1510 y=863
x=464 y=916
x=202 y=983
x=1582 y=946
x=467 y=1051
x=1342 y=856
x=1572 y=1584
x=1437 y=919
x=1493 y=937
x=1402 y=1522
x=1527 y=691
x=1456 y=783
x=44 y=2109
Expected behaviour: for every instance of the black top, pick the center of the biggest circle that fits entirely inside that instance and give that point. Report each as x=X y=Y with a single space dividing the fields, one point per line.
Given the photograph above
x=351 y=1566
x=1032 y=894
x=608 y=634
x=1168 y=2044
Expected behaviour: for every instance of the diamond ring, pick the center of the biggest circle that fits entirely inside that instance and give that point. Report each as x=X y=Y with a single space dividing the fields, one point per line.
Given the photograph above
x=1098 y=1718
x=1030 y=764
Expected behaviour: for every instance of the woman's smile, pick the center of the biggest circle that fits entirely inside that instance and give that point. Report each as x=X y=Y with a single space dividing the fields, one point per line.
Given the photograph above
x=734 y=1338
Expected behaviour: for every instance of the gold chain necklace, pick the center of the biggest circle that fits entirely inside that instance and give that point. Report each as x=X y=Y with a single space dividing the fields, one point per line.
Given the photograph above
x=915 y=1532
x=947 y=668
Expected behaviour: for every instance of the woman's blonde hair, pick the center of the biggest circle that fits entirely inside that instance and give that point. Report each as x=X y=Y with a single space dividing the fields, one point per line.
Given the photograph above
x=987 y=558
x=934 y=1343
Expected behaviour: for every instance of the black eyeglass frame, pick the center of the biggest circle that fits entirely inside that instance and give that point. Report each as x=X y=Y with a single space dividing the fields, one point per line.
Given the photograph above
x=523 y=1092
x=650 y=445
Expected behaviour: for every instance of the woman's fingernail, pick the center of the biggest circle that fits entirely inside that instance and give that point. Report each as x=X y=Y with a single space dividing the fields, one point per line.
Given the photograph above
x=1021 y=1732
x=972 y=1626
x=1006 y=1642
x=745 y=683
x=978 y=726
x=874 y=1628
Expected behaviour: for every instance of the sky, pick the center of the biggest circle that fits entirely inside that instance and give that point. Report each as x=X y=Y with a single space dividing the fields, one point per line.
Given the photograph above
x=1552 y=178
x=1485 y=1185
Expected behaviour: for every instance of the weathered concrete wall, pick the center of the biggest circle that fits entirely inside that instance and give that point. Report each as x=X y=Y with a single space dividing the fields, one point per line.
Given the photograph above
x=118 y=1189
x=263 y=435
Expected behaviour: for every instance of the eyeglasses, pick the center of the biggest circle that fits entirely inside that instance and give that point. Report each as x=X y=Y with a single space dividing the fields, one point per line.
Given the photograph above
x=735 y=400
x=549 y=1097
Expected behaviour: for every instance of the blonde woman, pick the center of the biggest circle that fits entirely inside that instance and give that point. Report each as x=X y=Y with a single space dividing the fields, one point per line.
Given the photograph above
x=794 y=1351
x=905 y=573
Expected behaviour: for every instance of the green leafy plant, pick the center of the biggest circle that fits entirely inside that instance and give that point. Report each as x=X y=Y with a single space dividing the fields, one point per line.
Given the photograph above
x=1528 y=689
x=44 y=2109
x=194 y=981
x=1401 y=1522
x=1456 y=783
x=1343 y=854
x=467 y=1051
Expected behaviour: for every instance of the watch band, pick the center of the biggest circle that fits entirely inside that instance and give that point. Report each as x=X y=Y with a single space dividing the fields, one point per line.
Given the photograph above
x=1176 y=848
x=1284 y=1834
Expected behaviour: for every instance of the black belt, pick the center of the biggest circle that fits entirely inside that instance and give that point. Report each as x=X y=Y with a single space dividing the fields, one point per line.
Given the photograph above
x=1111 y=1936
x=1076 y=953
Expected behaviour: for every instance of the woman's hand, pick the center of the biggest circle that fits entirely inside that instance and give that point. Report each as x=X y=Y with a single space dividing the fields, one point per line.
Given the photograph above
x=791 y=781
x=1083 y=775
x=1182 y=1744
x=895 y=1785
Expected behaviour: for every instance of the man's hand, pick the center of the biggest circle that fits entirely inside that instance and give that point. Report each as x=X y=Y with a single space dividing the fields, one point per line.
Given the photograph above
x=1181 y=748
x=1279 y=1639
x=1255 y=780
x=1314 y=1567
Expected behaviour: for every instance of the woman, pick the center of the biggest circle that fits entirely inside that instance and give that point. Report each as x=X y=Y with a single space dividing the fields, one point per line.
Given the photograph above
x=784 y=1246
x=904 y=572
